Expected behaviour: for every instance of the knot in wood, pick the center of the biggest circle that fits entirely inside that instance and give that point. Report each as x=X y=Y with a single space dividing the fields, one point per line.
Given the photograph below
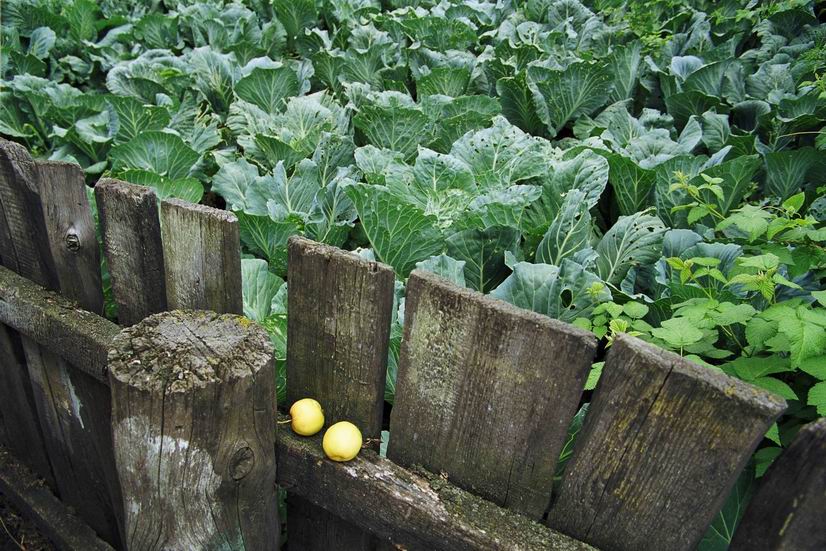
x=242 y=462
x=72 y=241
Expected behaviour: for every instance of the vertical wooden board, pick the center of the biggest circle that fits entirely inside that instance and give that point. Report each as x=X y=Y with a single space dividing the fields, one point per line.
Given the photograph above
x=78 y=467
x=660 y=449
x=22 y=427
x=485 y=392
x=24 y=245
x=31 y=228
x=338 y=332
x=787 y=511
x=131 y=233
x=71 y=233
x=202 y=257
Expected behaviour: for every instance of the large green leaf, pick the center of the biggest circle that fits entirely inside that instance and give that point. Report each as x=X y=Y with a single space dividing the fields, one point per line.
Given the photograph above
x=188 y=189
x=788 y=171
x=258 y=288
x=268 y=238
x=268 y=87
x=132 y=118
x=563 y=292
x=562 y=95
x=518 y=103
x=624 y=66
x=569 y=232
x=500 y=208
x=394 y=122
x=633 y=240
x=242 y=187
x=500 y=155
x=400 y=234
x=633 y=185
x=164 y=154
x=446 y=267
x=483 y=252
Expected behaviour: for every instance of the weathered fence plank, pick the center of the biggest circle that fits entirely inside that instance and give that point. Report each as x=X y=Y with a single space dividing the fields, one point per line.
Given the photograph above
x=71 y=233
x=338 y=332
x=21 y=426
x=33 y=499
x=787 y=511
x=417 y=511
x=77 y=452
x=339 y=310
x=24 y=244
x=57 y=324
x=193 y=417
x=660 y=449
x=22 y=432
x=485 y=392
x=131 y=233
x=202 y=257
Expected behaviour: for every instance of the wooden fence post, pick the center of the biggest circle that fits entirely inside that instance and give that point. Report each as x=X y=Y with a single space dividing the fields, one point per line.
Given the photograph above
x=202 y=257
x=59 y=251
x=662 y=445
x=485 y=392
x=193 y=418
x=131 y=233
x=787 y=511
x=340 y=308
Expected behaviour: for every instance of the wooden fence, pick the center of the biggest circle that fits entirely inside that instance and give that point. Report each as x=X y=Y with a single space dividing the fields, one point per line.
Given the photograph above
x=161 y=433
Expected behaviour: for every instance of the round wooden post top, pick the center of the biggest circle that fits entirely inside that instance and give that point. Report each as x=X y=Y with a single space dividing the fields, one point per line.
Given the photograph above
x=179 y=351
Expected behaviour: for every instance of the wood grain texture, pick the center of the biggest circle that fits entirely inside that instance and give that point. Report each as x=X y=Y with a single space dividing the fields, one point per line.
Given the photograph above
x=21 y=427
x=485 y=392
x=131 y=233
x=193 y=418
x=24 y=244
x=660 y=449
x=28 y=494
x=787 y=511
x=202 y=257
x=338 y=330
x=73 y=444
x=35 y=250
x=417 y=511
x=57 y=324
x=71 y=233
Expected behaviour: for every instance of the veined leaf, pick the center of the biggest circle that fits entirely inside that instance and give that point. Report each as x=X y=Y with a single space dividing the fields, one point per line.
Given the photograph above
x=483 y=252
x=566 y=292
x=258 y=288
x=268 y=87
x=569 y=232
x=562 y=95
x=632 y=240
x=164 y=154
x=400 y=233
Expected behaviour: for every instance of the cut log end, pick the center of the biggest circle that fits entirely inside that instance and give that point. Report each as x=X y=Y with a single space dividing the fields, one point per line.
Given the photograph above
x=181 y=350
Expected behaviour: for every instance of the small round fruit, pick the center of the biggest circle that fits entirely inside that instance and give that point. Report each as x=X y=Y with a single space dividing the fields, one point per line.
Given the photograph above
x=307 y=417
x=342 y=441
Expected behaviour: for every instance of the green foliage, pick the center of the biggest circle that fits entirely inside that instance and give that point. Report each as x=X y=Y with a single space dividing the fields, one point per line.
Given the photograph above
x=655 y=168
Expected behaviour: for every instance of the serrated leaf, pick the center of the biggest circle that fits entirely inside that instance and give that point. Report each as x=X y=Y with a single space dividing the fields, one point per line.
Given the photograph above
x=817 y=397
